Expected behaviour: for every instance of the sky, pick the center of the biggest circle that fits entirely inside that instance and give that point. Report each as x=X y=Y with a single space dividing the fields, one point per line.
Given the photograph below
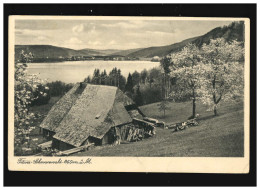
x=109 y=34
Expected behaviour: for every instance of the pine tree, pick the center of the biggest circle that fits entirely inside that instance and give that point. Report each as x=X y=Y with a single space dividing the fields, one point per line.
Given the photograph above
x=144 y=75
x=163 y=106
x=115 y=76
x=138 y=97
x=136 y=78
x=118 y=77
x=129 y=85
x=103 y=77
x=88 y=79
x=96 y=79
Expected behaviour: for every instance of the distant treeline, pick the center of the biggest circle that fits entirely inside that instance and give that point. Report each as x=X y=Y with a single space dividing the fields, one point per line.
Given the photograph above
x=80 y=58
x=112 y=78
x=46 y=60
x=145 y=87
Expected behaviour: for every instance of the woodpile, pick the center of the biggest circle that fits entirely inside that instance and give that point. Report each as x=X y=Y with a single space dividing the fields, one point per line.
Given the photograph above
x=135 y=131
x=149 y=128
x=183 y=125
x=155 y=121
x=135 y=134
x=138 y=134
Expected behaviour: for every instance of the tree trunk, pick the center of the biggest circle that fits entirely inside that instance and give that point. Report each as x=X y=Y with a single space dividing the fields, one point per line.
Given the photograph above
x=215 y=111
x=193 y=103
x=165 y=86
x=193 y=108
x=163 y=94
x=118 y=81
x=214 y=96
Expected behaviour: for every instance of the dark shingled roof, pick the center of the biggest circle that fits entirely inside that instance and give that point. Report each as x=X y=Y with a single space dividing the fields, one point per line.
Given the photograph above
x=60 y=109
x=93 y=113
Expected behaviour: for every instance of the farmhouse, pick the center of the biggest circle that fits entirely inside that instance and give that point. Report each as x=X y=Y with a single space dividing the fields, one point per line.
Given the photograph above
x=94 y=114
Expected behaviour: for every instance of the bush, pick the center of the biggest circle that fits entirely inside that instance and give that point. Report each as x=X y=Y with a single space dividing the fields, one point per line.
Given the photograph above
x=42 y=96
x=58 y=88
x=151 y=95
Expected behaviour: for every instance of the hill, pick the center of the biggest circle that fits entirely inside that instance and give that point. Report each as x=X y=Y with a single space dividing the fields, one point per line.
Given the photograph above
x=234 y=31
x=221 y=136
x=125 y=52
x=160 y=50
x=44 y=51
x=90 y=52
x=99 y=52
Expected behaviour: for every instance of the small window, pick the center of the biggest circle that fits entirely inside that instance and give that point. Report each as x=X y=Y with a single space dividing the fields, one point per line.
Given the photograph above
x=98 y=115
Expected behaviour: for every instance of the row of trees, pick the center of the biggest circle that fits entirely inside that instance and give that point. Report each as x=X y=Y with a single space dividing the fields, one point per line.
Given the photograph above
x=114 y=78
x=144 y=87
x=212 y=73
x=149 y=83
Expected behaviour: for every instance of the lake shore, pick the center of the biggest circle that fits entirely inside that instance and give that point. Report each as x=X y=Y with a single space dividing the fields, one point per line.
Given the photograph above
x=76 y=71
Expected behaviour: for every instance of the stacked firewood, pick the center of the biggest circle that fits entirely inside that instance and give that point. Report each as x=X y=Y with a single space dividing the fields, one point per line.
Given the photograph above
x=183 y=125
x=156 y=122
x=137 y=134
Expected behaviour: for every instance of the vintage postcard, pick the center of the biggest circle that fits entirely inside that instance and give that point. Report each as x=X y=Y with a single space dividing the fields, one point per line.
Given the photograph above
x=128 y=94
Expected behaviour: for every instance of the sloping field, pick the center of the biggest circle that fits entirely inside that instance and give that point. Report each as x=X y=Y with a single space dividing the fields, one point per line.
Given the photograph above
x=221 y=136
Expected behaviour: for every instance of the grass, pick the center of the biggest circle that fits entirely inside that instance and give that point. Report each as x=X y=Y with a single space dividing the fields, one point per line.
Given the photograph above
x=221 y=136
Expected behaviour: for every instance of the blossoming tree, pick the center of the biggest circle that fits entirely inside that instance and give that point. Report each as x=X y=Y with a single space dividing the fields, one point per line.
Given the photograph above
x=25 y=86
x=222 y=72
x=185 y=68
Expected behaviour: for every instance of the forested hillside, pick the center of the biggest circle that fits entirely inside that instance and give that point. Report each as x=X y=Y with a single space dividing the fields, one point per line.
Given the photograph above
x=47 y=51
x=234 y=31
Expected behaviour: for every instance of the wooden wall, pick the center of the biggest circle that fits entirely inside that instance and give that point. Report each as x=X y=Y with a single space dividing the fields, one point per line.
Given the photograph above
x=61 y=145
x=48 y=134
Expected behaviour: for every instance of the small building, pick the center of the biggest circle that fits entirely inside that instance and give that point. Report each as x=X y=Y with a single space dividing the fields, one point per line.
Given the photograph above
x=92 y=114
x=155 y=59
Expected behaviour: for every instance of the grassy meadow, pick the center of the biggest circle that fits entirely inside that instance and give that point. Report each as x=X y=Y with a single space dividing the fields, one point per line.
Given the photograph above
x=221 y=136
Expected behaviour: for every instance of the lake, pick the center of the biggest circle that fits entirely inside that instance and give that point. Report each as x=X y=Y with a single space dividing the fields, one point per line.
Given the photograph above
x=76 y=71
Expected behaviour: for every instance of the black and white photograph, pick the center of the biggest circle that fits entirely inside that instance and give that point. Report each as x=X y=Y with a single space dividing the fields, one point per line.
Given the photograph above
x=130 y=89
